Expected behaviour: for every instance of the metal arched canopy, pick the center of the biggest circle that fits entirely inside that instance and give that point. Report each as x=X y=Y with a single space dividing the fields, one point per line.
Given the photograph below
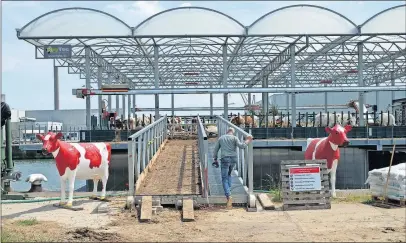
x=198 y=21
x=195 y=39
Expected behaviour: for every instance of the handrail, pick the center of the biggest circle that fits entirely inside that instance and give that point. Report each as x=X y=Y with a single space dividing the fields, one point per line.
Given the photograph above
x=142 y=147
x=245 y=157
x=203 y=156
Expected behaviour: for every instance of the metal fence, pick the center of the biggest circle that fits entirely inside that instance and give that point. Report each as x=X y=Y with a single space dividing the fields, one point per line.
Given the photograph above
x=316 y=132
x=142 y=147
x=245 y=157
x=203 y=156
x=321 y=119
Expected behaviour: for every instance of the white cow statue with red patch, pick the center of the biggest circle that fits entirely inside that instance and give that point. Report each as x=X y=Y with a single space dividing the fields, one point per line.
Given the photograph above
x=78 y=161
x=327 y=148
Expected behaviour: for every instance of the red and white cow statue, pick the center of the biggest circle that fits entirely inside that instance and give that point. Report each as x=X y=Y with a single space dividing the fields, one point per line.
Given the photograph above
x=327 y=148
x=78 y=161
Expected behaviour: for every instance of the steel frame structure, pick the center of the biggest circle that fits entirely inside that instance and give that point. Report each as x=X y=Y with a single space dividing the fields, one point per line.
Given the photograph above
x=181 y=48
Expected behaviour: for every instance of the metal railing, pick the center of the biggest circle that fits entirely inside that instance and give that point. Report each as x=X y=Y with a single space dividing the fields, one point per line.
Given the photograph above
x=203 y=156
x=245 y=157
x=142 y=146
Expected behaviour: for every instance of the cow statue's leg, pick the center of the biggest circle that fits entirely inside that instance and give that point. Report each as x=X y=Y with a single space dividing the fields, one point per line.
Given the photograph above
x=104 y=182
x=95 y=184
x=333 y=178
x=72 y=177
x=63 y=188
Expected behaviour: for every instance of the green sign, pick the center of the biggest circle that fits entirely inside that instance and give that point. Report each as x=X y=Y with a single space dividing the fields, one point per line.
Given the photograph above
x=57 y=51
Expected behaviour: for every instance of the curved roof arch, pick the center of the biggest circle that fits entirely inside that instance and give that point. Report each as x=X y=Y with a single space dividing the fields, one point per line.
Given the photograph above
x=78 y=22
x=186 y=21
x=382 y=22
x=294 y=20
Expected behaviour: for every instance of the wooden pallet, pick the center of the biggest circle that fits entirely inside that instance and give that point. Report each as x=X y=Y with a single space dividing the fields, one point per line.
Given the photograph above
x=388 y=202
x=306 y=200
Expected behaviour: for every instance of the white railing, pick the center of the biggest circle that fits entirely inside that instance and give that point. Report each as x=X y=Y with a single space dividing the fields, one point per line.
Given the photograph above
x=245 y=157
x=203 y=156
x=142 y=147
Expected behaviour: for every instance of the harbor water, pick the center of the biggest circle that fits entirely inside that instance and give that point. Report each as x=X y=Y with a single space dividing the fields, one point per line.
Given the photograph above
x=47 y=168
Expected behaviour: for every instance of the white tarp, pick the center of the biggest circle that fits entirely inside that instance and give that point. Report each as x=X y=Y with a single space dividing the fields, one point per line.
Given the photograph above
x=397 y=181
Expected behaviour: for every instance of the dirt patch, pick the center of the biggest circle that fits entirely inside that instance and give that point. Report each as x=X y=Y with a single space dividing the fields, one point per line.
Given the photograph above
x=22 y=231
x=176 y=170
x=86 y=235
x=343 y=223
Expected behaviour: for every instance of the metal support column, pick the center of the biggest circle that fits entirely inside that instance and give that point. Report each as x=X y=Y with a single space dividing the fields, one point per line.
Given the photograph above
x=100 y=97
x=361 y=83
x=249 y=103
x=123 y=105
x=173 y=103
x=392 y=80
x=88 y=97
x=265 y=100
x=118 y=105
x=211 y=102
x=225 y=79
x=156 y=76
x=56 y=88
x=109 y=105
x=377 y=98
x=134 y=106
x=128 y=109
x=293 y=83
x=325 y=101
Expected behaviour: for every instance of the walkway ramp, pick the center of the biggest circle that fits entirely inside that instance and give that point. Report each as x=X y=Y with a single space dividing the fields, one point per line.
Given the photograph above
x=171 y=170
x=175 y=172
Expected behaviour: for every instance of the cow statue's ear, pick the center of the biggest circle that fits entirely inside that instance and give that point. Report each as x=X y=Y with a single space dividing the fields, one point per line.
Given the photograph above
x=40 y=137
x=328 y=129
x=348 y=128
x=58 y=135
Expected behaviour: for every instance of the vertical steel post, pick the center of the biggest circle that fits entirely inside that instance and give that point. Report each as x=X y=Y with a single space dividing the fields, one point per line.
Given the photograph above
x=361 y=83
x=123 y=105
x=118 y=105
x=377 y=97
x=156 y=76
x=211 y=102
x=88 y=97
x=131 y=166
x=392 y=80
x=56 y=87
x=293 y=83
x=134 y=104
x=99 y=97
x=110 y=108
x=173 y=103
x=266 y=101
x=225 y=79
x=325 y=100
x=128 y=110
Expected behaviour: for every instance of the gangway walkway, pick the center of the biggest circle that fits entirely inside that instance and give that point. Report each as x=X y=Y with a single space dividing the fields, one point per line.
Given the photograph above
x=170 y=169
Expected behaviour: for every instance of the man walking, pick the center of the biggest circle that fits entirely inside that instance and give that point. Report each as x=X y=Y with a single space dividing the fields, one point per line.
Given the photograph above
x=228 y=144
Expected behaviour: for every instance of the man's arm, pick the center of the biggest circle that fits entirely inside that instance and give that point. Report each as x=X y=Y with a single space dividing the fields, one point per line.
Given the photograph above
x=216 y=149
x=241 y=145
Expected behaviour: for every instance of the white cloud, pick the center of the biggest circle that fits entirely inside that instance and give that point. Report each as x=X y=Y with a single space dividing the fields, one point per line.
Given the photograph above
x=187 y=4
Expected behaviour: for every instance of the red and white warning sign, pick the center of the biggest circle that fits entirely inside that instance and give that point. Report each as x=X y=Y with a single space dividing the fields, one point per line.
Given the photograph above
x=305 y=179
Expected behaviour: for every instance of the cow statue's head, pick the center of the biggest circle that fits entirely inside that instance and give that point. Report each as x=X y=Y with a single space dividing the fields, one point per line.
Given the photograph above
x=338 y=134
x=50 y=142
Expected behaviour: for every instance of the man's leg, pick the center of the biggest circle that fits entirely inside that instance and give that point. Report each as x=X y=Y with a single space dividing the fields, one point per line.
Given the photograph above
x=230 y=181
x=225 y=164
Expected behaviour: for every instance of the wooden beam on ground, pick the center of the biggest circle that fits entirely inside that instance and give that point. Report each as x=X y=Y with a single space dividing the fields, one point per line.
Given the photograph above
x=146 y=208
x=187 y=210
x=266 y=202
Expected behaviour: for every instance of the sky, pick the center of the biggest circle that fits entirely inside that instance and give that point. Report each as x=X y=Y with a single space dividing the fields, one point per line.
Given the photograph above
x=28 y=83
